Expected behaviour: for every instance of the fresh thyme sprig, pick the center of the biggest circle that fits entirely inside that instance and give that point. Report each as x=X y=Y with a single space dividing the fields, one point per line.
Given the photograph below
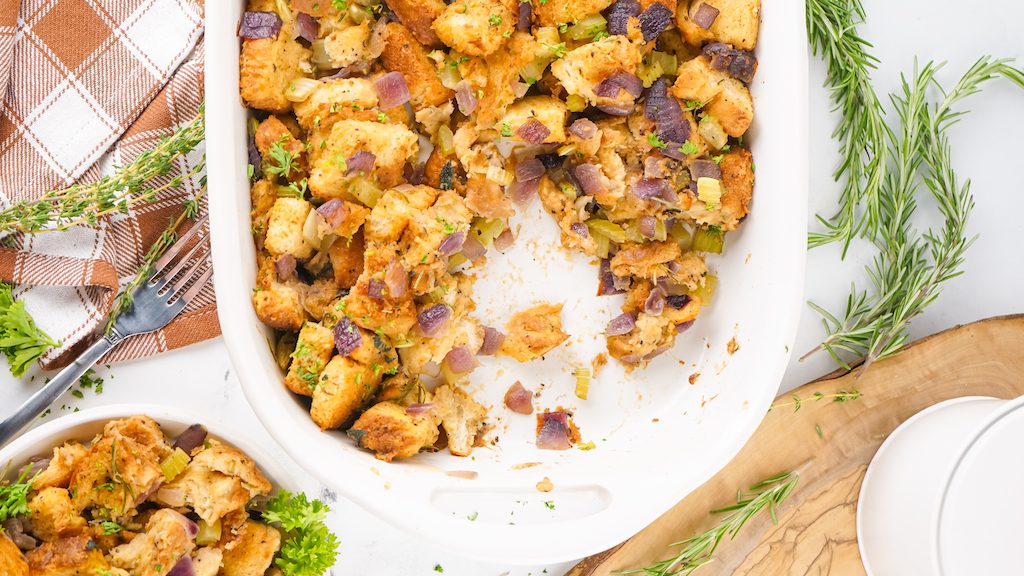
x=87 y=203
x=908 y=273
x=862 y=132
x=699 y=550
x=797 y=402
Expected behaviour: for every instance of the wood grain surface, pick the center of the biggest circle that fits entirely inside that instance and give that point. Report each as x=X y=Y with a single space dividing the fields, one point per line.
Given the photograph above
x=816 y=534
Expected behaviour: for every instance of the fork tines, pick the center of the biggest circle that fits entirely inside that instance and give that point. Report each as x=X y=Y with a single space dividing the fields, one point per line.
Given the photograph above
x=183 y=270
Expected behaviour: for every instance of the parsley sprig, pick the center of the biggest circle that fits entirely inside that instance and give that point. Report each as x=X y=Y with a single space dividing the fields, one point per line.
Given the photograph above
x=14 y=495
x=309 y=548
x=20 y=339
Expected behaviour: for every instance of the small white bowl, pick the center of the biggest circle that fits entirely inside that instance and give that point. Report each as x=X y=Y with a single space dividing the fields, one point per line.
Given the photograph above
x=83 y=425
x=941 y=495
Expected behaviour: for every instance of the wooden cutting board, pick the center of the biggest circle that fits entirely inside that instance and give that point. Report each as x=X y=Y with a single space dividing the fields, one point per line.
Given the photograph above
x=817 y=533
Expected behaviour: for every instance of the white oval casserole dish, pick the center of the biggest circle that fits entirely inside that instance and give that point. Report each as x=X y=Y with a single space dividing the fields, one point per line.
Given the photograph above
x=657 y=435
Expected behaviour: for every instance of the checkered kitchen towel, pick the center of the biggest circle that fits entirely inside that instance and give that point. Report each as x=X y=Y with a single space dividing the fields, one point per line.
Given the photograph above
x=87 y=85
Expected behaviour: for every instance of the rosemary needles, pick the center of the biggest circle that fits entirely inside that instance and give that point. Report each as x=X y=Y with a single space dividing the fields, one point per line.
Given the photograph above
x=698 y=550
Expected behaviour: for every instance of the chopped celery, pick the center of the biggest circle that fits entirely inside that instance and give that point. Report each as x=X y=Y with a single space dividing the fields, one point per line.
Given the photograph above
x=709 y=191
x=660 y=231
x=582 y=382
x=445 y=140
x=364 y=190
x=209 y=534
x=613 y=231
x=487 y=230
x=576 y=103
x=603 y=245
x=533 y=71
x=709 y=239
x=648 y=73
x=567 y=150
x=449 y=76
x=712 y=132
x=587 y=27
x=706 y=292
x=682 y=236
x=633 y=233
x=454 y=261
x=547 y=35
x=174 y=464
x=299 y=89
x=667 y=62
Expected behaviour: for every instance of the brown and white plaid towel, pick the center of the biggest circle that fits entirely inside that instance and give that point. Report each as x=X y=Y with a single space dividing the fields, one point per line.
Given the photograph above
x=87 y=85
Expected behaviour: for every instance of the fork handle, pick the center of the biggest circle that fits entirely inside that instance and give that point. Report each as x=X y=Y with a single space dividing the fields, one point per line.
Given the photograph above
x=57 y=385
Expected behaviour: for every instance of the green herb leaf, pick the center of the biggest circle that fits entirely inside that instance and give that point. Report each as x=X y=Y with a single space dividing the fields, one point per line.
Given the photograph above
x=20 y=339
x=309 y=548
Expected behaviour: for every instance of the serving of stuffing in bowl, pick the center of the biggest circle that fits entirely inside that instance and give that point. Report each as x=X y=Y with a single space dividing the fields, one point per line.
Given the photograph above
x=133 y=502
x=390 y=144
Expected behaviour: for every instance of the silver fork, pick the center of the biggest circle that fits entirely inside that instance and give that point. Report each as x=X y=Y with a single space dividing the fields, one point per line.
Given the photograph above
x=177 y=277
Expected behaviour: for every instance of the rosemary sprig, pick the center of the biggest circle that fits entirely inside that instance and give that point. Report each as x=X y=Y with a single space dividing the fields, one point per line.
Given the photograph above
x=699 y=550
x=87 y=203
x=908 y=273
x=838 y=396
x=862 y=132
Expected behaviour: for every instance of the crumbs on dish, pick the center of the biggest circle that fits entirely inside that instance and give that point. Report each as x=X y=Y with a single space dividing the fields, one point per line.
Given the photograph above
x=391 y=143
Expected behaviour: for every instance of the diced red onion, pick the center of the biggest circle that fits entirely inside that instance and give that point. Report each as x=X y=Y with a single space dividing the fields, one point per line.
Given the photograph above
x=16 y=529
x=375 y=289
x=472 y=249
x=672 y=151
x=334 y=212
x=433 y=320
x=255 y=160
x=740 y=64
x=590 y=178
x=396 y=278
x=347 y=337
x=622 y=282
x=677 y=301
x=655 y=303
x=618 y=15
x=683 y=326
x=705 y=16
x=460 y=360
x=183 y=567
x=553 y=431
x=519 y=399
x=192 y=438
x=533 y=131
x=669 y=195
x=673 y=266
x=306 y=27
x=704 y=169
x=653 y=167
x=606 y=279
x=256 y=25
x=529 y=169
x=655 y=20
x=631 y=359
x=35 y=465
x=551 y=160
x=520 y=88
x=664 y=109
x=375 y=43
x=647 y=188
x=413 y=173
x=647 y=226
x=465 y=98
x=285 y=267
x=525 y=16
x=493 y=340
x=580 y=229
x=452 y=244
x=621 y=324
x=173 y=497
x=391 y=90
x=523 y=192
x=620 y=80
x=419 y=408
x=583 y=128
x=360 y=163
x=504 y=240
x=617 y=109
x=359 y=68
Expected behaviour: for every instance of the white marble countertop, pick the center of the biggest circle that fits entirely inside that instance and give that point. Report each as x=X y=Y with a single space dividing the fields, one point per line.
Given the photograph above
x=201 y=378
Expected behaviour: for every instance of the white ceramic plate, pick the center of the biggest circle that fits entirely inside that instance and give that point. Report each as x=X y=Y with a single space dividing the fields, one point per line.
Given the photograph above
x=657 y=436
x=85 y=424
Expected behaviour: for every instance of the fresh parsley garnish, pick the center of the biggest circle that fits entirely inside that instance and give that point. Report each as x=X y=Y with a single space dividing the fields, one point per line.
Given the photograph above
x=655 y=141
x=14 y=497
x=308 y=547
x=689 y=148
x=283 y=160
x=20 y=339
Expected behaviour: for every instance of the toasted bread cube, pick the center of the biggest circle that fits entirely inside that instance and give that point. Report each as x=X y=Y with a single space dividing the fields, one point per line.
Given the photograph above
x=461 y=416
x=165 y=540
x=313 y=350
x=395 y=318
x=207 y=561
x=737 y=23
x=252 y=552
x=334 y=100
x=733 y=107
x=651 y=336
x=696 y=81
x=71 y=556
x=120 y=462
x=284 y=228
x=219 y=480
x=273 y=135
x=646 y=260
x=391 y=144
x=347 y=260
x=583 y=68
x=502 y=69
x=395 y=210
x=346 y=46
x=317 y=8
x=12 y=561
x=737 y=192
x=263 y=195
x=477 y=27
x=344 y=387
x=62 y=464
x=418 y=16
x=403 y=53
x=267 y=66
x=555 y=12
x=549 y=111
x=53 y=515
x=278 y=304
x=391 y=432
x=487 y=199
x=534 y=332
x=144 y=431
